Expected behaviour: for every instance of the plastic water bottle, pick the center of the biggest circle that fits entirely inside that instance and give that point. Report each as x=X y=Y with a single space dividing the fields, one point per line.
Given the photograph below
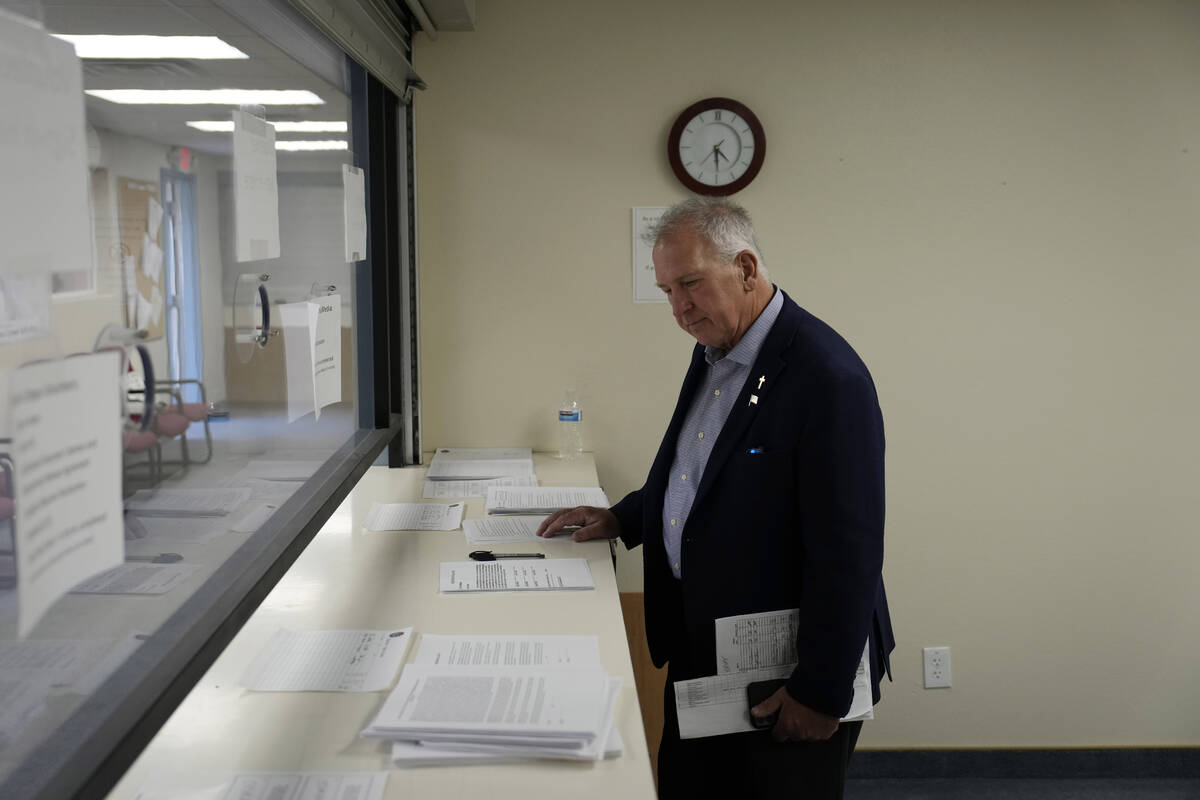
x=570 y=437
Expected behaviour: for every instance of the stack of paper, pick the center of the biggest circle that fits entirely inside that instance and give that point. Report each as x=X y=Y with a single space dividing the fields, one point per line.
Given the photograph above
x=476 y=699
x=441 y=489
x=542 y=499
x=328 y=661
x=480 y=463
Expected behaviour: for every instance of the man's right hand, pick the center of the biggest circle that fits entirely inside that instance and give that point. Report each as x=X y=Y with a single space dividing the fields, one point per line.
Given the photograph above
x=594 y=523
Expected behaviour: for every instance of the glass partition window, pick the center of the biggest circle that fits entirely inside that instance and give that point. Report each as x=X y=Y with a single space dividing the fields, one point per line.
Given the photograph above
x=166 y=393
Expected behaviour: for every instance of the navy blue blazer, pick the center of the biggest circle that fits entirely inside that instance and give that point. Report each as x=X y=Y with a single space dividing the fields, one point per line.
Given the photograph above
x=788 y=514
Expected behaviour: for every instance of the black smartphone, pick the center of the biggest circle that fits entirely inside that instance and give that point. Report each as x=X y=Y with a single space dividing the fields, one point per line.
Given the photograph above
x=757 y=692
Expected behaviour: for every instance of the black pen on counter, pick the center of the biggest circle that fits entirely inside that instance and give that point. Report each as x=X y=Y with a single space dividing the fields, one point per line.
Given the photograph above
x=488 y=555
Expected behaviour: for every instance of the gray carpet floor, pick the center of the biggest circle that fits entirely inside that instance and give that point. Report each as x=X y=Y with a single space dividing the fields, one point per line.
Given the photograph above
x=1022 y=789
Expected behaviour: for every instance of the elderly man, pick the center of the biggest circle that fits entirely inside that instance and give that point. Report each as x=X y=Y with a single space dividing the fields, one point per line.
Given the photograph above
x=766 y=494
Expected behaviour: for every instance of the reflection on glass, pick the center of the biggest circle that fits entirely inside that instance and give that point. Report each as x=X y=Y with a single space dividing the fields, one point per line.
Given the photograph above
x=208 y=454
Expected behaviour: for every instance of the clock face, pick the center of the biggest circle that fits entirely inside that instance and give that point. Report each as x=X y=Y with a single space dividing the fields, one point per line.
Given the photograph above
x=716 y=147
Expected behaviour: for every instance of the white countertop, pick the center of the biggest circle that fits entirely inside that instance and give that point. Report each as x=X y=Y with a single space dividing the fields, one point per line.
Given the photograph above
x=349 y=578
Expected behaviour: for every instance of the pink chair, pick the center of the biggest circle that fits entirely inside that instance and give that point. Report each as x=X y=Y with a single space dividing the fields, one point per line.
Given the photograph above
x=194 y=412
x=139 y=442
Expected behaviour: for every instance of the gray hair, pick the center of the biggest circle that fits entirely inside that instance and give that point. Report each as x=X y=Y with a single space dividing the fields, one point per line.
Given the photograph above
x=724 y=224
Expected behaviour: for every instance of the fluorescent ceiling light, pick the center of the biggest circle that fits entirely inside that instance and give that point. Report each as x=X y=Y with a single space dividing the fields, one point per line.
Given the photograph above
x=323 y=144
x=209 y=97
x=191 y=47
x=312 y=126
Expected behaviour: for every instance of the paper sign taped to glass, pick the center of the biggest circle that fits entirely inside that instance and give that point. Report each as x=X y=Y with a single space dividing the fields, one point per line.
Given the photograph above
x=312 y=342
x=751 y=647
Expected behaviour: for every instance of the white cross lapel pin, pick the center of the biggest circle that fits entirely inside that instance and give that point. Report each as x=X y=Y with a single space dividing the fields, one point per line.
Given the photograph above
x=761 y=380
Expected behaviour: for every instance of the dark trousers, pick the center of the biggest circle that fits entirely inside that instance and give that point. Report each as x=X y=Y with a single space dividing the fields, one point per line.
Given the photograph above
x=751 y=765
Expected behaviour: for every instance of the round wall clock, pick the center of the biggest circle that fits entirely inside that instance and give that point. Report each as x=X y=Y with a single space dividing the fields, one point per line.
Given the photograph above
x=716 y=146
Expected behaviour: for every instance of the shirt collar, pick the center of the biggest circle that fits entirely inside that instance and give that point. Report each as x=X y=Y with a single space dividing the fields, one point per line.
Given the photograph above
x=746 y=350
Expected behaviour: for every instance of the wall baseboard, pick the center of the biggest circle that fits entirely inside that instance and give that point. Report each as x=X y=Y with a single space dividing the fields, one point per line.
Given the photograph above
x=1117 y=762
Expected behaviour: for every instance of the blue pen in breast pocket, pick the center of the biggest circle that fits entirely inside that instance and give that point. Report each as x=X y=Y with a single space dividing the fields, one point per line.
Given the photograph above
x=754 y=451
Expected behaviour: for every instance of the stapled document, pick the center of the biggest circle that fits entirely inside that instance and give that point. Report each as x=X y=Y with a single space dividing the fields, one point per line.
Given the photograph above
x=328 y=661
x=514 y=575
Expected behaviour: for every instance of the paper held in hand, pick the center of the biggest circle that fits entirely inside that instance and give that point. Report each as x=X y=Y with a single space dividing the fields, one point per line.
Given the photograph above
x=751 y=647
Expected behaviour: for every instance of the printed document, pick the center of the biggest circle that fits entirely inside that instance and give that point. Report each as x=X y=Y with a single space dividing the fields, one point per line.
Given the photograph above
x=414 y=517
x=756 y=641
x=68 y=477
x=444 y=454
x=267 y=786
x=751 y=647
x=502 y=529
x=354 y=212
x=186 y=502
x=268 y=470
x=420 y=754
x=71 y=665
x=555 y=706
x=294 y=319
x=542 y=499
x=516 y=574
x=588 y=748
x=478 y=470
x=325 y=315
x=255 y=189
x=328 y=661
x=509 y=651
x=440 y=490
x=24 y=307
x=21 y=700
x=45 y=222
x=136 y=579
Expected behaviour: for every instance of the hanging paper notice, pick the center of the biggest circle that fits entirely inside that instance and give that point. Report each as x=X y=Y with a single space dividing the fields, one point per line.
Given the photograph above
x=327 y=350
x=354 y=199
x=298 y=359
x=24 y=307
x=44 y=219
x=255 y=188
x=67 y=456
x=645 y=287
x=312 y=341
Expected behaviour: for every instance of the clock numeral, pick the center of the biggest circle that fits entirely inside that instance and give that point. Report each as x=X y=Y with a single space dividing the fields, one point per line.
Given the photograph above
x=749 y=147
x=685 y=147
x=733 y=119
x=744 y=163
x=718 y=115
x=745 y=130
x=688 y=164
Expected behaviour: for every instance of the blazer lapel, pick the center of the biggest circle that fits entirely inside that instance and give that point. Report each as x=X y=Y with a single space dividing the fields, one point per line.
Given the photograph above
x=753 y=396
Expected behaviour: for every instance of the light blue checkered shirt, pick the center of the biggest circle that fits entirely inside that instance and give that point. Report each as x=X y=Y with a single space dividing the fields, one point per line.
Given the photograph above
x=723 y=382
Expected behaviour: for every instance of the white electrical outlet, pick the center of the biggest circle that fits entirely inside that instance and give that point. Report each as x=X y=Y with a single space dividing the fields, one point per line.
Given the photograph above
x=937 y=667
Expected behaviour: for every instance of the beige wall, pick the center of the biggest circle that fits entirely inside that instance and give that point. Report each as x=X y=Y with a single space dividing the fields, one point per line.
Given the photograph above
x=998 y=204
